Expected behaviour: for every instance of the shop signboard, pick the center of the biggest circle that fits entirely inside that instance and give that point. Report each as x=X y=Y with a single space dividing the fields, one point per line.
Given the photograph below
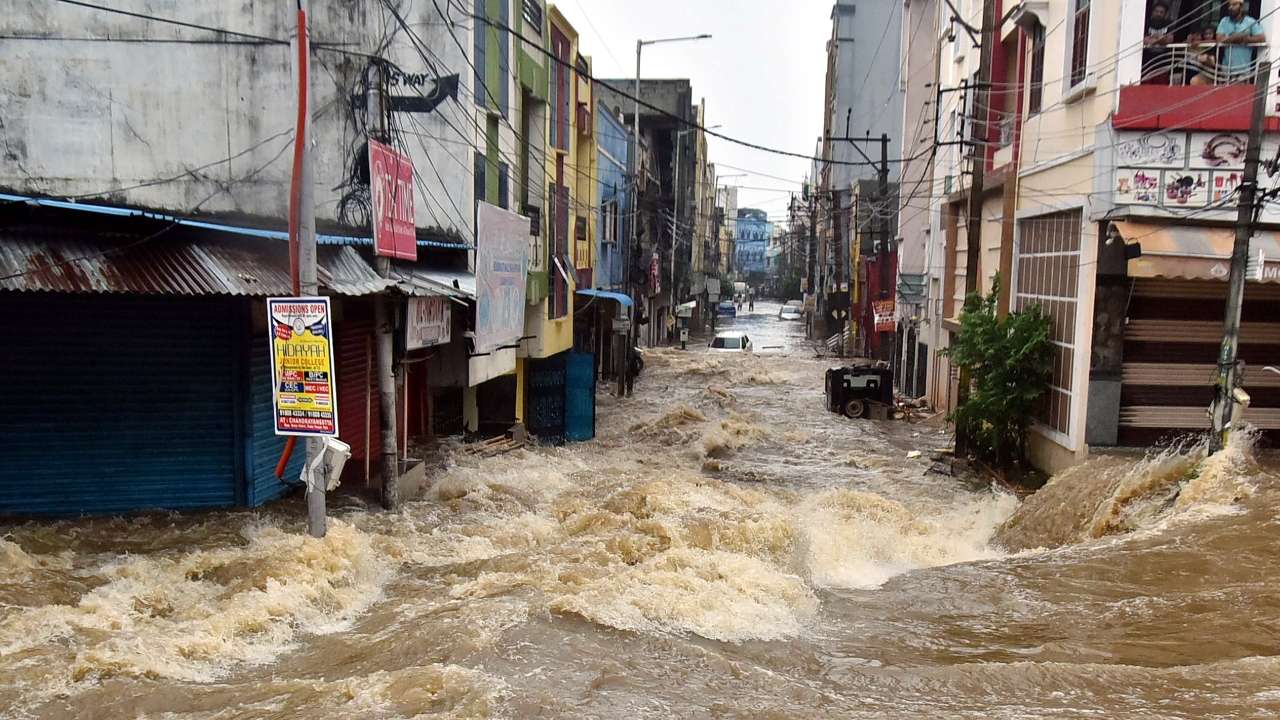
x=883 y=310
x=427 y=323
x=1138 y=186
x=303 y=389
x=502 y=264
x=391 y=191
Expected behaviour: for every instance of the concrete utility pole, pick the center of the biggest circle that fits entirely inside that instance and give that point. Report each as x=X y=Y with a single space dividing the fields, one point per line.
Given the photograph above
x=384 y=322
x=1225 y=402
x=675 y=222
x=978 y=166
x=305 y=223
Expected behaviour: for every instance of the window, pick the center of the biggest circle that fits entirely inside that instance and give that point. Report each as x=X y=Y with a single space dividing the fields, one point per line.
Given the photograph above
x=503 y=182
x=504 y=47
x=1035 y=90
x=479 y=178
x=533 y=14
x=1079 y=42
x=559 y=305
x=560 y=90
x=1046 y=271
x=609 y=222
x=480 y=32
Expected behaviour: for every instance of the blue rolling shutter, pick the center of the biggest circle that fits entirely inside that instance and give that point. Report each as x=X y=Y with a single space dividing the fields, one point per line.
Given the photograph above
x=114 y=404
x=263 y=446
x=579 y=396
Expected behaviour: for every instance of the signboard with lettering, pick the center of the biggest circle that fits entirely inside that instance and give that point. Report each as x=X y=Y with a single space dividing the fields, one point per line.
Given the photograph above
x=883 y=310
x=391 y=190
x=427 y=322
x=502 y=264
x=304 y=397
x=1179 y=170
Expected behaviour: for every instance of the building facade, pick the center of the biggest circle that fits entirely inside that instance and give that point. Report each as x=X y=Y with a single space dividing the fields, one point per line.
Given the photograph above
x=1109 y=200
x=751 y=246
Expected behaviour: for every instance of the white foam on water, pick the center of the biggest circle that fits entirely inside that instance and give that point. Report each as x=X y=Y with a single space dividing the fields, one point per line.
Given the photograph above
x=192 y=615
x=855 y=539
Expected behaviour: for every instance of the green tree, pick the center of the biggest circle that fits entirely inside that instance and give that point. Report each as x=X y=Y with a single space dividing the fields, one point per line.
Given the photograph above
x=1009 y=362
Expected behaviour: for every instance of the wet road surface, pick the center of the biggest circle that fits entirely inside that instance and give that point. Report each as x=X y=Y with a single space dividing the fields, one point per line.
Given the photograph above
x=724 y=549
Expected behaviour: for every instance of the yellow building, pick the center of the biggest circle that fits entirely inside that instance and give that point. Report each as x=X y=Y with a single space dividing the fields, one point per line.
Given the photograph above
x=564 y=256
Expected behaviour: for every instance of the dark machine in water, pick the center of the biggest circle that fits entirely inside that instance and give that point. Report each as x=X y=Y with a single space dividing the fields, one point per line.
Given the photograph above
x=858 y=392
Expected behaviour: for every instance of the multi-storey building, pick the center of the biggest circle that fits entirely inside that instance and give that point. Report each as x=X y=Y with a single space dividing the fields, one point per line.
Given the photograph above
x=1111 y=170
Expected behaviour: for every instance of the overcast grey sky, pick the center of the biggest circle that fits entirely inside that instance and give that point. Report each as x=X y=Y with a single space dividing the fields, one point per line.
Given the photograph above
x=761 y=73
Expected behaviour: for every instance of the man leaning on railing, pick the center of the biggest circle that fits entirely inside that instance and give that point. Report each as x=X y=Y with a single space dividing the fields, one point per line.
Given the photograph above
x=1237 y=30
x=1156 y=57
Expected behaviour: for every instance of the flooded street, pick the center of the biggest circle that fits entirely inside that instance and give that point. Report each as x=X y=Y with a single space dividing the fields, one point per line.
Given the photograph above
x=725 y=548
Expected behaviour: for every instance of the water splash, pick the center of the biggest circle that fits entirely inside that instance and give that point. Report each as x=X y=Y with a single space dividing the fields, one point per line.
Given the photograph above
x=1109 y=495
x=188 y=615
x=856 y=539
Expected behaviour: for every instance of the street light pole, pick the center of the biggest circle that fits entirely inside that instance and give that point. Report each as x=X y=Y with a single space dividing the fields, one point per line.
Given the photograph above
x=635 y=140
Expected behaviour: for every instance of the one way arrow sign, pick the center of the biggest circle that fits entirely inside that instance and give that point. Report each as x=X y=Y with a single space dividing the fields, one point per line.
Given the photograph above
x=446 y=87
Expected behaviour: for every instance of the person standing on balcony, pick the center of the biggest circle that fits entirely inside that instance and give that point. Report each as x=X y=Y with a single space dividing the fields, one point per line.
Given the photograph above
x=1156 y=59
x=1238 y=31
x=1204 y=66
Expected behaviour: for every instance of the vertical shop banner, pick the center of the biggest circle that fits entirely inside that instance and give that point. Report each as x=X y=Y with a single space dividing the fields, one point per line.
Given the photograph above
x=303 y=386
x=391 y=188
x=883 y=310
x=502 y=265
x=427 y=323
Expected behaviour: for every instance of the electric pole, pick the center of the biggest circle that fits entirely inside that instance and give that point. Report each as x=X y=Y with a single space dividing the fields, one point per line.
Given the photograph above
x=303 y=226
x=978 y=166
x=1225 y=403
x=384 y=321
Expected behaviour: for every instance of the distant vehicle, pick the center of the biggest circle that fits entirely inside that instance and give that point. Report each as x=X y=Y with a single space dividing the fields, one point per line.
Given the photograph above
x=726 y=308
x=730 y=342
x=793 y=310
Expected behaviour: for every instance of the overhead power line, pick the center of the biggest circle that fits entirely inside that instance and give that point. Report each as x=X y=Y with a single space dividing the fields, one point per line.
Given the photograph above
x=661 y=111
x=265 y=39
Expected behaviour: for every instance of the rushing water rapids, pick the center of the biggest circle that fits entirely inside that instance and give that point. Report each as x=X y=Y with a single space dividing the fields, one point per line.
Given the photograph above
x=725 y=548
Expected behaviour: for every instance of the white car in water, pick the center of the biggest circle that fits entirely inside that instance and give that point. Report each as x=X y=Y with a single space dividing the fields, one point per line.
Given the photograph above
x=730 y=342
x=793 y=310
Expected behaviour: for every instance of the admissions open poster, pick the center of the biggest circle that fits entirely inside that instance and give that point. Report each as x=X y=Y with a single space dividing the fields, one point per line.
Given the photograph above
x=303 y=389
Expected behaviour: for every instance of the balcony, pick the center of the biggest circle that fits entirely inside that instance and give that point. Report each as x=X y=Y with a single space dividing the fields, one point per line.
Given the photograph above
x=1191 y=86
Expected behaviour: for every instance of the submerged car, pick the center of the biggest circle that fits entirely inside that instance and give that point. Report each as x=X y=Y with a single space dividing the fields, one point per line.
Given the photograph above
x=791 y=312
x=730 y=342
x=726 y=308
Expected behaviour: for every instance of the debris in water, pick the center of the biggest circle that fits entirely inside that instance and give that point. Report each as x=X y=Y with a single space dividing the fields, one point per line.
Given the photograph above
x=913 y=454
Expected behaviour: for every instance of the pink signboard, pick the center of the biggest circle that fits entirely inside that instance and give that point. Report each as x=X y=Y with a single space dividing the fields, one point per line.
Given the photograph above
x=391 y=185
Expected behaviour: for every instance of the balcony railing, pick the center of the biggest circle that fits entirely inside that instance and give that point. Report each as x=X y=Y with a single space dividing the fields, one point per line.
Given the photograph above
x=1205 y=63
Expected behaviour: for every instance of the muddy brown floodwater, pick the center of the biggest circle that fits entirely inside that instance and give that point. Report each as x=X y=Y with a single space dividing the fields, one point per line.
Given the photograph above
x=724 y=549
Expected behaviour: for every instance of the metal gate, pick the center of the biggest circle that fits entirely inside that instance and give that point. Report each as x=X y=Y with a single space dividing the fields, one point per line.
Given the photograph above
x=544 y=417
x=116 y=404
x=580 y=396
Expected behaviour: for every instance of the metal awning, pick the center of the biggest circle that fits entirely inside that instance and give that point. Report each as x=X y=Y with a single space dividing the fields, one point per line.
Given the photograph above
x=50 y=259
x=418 y=280
x=622 y=298
x=1190 y=252
x=118 y=211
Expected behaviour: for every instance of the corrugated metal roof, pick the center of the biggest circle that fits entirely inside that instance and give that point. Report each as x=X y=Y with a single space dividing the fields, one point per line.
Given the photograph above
x=416 y=280
x=36 y=260
x=321 y=238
